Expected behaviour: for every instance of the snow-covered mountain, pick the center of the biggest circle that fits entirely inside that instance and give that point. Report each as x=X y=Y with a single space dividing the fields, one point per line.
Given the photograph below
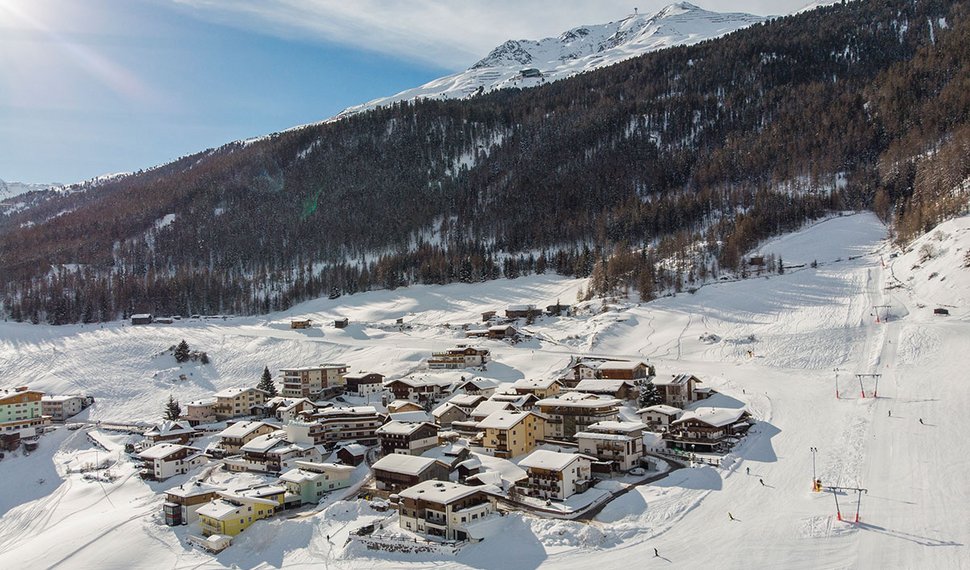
x=527 y=63
x=12 y=189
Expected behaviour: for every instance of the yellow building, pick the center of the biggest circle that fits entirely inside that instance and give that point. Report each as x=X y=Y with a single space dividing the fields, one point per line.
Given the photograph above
x=510 y=433
x=234 y=512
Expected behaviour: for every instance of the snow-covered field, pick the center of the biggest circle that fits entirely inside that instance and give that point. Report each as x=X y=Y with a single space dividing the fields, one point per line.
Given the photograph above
x=772 y=344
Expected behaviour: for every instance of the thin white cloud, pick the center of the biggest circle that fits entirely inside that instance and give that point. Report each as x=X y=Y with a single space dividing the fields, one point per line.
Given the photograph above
x=443 y=33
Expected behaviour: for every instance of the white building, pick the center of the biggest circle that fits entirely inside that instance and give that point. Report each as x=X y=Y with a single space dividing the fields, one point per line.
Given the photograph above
x=311 y=480
x=169 y=459
x=60 y=408
x=619 y=443
x=445 y=510
x=554 y=475
x=659 y=416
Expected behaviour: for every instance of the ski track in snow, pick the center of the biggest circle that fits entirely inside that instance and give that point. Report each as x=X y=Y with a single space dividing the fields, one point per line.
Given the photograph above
x=778 y=341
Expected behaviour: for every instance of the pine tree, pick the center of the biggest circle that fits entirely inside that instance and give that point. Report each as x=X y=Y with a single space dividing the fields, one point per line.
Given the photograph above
x=649 y=395
x=182 y=352
x=172 y=408
x=266 y=383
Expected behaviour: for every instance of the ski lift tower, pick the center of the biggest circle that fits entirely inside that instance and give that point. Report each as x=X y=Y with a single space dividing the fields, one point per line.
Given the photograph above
x=858 y=505
x=875 y=391
x=885 y=318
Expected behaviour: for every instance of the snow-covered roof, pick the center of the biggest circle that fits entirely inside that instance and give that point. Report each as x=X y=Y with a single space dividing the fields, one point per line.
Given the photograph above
x=142 y=316
x=395 y=427
x=421 y=416
x=481 y=383
x=440 y=492
x=472 y=463
x=601 y=386
x=489 y=407
x=163 y=450
x=193 y=490
x=716 y=417
x=242 y=429
x=354 y=449
x=324 y=366
x=353 y=410
x=620 y=364
x=309 y=471
x=675 y=380
x=446 y=453
x=535 y=383
x=571 y=401
x=521 y=308
x=467 y=400
x=361 y=375
x=265 y=442
x=505 y=419
x=211 y=401
x=551 y=460
x=662 y=409
x=602 y=436
x=622 y=427
x=171 y=427
x=444 y=408
x=217 y=509
x=404 y=464
x=53 y=398
x=231 y=392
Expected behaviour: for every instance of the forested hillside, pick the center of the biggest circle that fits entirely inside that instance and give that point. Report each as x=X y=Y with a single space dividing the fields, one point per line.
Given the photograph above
x=707 y=148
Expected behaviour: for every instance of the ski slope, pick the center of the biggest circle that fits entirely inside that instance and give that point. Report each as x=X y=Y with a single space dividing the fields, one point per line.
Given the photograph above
x=771 y=344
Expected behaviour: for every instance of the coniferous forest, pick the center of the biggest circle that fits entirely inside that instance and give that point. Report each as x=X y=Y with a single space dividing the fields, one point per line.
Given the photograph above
x=692 y=154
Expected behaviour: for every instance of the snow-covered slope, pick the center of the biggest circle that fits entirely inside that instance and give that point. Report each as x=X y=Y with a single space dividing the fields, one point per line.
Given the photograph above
x=581 y=49
x=11 y=189
x=769 y=344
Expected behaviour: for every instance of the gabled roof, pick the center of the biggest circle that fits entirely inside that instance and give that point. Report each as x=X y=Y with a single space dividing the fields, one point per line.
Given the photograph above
x=438 y=492
x=163 y=450
x=395 y=427
x=445 y=408
x=551 y=460
x=535 y=383
x=233 y=392
x=578 y=400
x=242 y=429
x=715 y=417
x=507 y=419
x=467 y=400
x=265 y=442
x=480 y=383
x=360 y=375
x=602 y=386
x=621 y=427
x=662 y=409
x=676 y=380
x=421 y=416
x=170 y=427
x=620 y=364
x=354 y=449
x=490 y=406
x=404 y=464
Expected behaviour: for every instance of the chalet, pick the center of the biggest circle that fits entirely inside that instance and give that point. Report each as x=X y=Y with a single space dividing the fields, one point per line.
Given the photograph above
x=300 y=323
x=462 y=356
x=467 y=402
x=21 y=409
x=706 y=429
x=530 y=72
x=573 y=412
x=171 y=431
x=234 y=512
x=408 y=438
x=447 y=413
x=289 y=409
x=239 y=434
x=445 y=510
x=276 y=451
x=201 y=411
x=511 y=433
x=478 y=387
x=60 y=408
x=620 y=389
x=141 y=319
x=421 y=389
x=557 y=310
x=617 y=444
x=468 y=468
x=476 y=333
x=556 y=476
x=659 y=417
x=756 y=260
x=518 y=401
x=341 y=323
x=403 y=406
x=313 y=382
x=522 y=312
x=502 y=332
x=183 y=502
x=169 y=459
x=356 y=423
x=411 y=417
x=236 y=402
x=544 y=388
x=363 y=384
x=679 y=390
x=352 y=454
x=398 y=471
x=488 y=315
x=311 y=481
x=624 y=370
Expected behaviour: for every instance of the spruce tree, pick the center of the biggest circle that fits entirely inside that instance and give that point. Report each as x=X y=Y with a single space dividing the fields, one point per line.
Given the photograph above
x=182 y=351
x=172 y=409
x=649 y=395
x=266 y=383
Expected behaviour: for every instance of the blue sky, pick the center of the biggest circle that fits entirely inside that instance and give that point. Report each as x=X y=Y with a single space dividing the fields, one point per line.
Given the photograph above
x=90 y=87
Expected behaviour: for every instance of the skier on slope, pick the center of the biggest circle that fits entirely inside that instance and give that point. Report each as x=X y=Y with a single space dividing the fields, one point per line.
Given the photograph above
x=762 y=481
x=730 y=516
x=656 y=552
x=921 y=421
